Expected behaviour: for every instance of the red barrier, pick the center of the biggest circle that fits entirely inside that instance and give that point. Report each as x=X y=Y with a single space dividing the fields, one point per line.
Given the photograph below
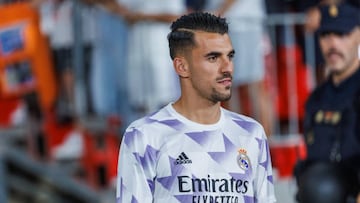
x=285 y=152
x=302 y=81
x=100 y=158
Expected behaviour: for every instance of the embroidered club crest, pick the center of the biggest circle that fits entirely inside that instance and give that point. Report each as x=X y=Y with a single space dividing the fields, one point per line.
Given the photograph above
x=243 y=159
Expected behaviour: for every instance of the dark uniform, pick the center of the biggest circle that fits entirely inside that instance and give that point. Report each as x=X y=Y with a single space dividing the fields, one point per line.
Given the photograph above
x=332 y=123
x=332 y=135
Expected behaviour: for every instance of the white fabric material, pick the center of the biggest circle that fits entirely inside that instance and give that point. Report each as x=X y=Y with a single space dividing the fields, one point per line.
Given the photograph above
x=168 y=158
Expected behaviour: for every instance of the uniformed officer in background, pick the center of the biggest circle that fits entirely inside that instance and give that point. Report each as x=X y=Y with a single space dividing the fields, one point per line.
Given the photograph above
x=332 y=121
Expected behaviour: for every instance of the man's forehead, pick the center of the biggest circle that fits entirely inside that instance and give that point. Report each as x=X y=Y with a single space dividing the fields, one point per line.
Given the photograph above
x=213 y=42
x=202 y=32
x=209 y=36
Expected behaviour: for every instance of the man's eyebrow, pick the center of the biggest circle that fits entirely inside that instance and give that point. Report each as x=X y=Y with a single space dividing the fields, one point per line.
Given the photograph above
x=213 y=53
x=232 y=52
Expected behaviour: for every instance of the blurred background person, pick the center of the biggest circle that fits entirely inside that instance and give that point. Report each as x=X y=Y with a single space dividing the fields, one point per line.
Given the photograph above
x=57 y=25
x=151 y=80
x=313 y=16
x=108 y=77
x=331 y=125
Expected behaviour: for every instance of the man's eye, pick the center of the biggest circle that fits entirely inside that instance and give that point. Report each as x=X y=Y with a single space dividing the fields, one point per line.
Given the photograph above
x=212 y=58
x=231 y=56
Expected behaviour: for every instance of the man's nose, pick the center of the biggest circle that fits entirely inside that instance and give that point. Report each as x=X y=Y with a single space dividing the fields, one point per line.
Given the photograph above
x=227 y=65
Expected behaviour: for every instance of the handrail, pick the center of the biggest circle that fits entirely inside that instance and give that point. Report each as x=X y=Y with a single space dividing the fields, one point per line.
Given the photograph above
x=56 y=180
x=286 y=19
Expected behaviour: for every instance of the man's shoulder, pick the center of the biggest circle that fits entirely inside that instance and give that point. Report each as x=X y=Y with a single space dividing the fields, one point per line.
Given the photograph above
x=157 y=118
x=238 y=116
x=149 y=119
x=318 y=92
x=241 y=119
x=357 y=78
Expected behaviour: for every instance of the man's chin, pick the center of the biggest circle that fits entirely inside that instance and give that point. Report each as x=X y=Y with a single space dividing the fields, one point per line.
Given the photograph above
x=336 y=71
x=226 y=98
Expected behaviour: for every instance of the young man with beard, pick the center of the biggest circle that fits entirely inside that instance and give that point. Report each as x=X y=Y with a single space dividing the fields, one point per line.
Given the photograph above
x=193 y=150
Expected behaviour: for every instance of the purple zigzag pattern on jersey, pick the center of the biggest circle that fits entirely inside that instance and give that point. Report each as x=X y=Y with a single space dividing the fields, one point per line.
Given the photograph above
x=133 y=200
x=149 y=159
x=130 y=136
x=201 y=138
x=173 y=123
x=153 y=116
x=122 y=188
x=168 y=181
x=151 y=184
x=261 y=147
x=248 y=126
x=248 y=199
x=265 y=163
x=270 y=179
x=149 y=120
x=184 y=198
x=222 y=156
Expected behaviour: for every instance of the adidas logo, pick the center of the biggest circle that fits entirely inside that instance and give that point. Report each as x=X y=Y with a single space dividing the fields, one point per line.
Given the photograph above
x=183 y=159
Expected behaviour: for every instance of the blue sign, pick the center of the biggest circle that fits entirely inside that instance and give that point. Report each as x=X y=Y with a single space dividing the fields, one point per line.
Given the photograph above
x=11 y=40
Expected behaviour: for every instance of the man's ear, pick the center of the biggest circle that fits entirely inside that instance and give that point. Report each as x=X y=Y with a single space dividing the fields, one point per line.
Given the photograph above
x=181 y=67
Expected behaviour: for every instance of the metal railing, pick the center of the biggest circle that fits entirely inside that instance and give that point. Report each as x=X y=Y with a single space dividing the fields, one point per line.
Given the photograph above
x=285 y=23
x=26 y=180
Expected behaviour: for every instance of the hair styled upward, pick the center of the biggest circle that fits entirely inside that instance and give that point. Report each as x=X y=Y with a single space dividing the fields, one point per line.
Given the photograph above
x=181 y=36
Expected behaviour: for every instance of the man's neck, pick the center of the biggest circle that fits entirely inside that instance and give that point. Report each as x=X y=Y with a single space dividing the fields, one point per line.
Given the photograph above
x=198 y=111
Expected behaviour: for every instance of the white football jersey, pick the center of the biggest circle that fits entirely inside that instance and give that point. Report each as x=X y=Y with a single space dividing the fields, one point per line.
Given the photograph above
x=167 y=158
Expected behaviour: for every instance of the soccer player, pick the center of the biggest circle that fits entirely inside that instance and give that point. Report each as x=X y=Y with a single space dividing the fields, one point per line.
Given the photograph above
x=193 y=150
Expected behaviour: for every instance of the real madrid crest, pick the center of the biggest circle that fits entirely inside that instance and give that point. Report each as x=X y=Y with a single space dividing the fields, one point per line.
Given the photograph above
x=243 y=159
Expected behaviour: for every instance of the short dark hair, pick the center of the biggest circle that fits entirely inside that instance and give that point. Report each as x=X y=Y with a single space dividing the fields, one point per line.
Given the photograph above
x=181 y=36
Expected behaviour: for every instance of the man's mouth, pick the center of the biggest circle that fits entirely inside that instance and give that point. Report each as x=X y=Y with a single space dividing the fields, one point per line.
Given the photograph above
x=226 y=81
x=334 y=55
